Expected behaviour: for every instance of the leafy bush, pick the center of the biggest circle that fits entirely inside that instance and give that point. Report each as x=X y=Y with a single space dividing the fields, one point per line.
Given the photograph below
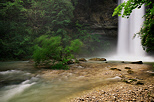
x=50 y=51
x=147 y=31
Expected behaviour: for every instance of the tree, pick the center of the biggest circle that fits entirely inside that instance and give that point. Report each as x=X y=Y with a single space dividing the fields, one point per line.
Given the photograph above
x=50 y=16
x=146 y=32
x=21 y=21
x=14 y=38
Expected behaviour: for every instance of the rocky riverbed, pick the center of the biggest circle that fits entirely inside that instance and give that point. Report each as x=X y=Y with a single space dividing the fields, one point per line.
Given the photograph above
x=111 y=82
x=119 y=92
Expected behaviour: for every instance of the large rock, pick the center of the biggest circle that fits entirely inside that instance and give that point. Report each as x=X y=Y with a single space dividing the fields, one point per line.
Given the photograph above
x=97 y=59
x=130 y=71
x=137 y=62
x=127 y=68
x=133 y=81
x=82 y=59
x=115 y=69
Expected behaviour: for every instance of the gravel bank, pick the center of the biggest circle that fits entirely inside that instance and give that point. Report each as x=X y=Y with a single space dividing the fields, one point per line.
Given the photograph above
x=119 y=92
x=123 y=90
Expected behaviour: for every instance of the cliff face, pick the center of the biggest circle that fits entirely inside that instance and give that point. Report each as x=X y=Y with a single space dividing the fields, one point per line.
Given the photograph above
x=98 y=16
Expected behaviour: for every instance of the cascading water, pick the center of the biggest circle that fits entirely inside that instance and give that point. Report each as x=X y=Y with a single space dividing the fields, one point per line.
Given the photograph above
x=128 y=46
x=21 y=82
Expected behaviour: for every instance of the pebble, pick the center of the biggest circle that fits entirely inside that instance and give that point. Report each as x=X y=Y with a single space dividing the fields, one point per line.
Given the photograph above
x=123 y=93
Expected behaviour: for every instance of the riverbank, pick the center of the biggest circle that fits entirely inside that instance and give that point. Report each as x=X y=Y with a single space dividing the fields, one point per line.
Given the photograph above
x=108 y=84
x=119 y=92
x=90 y=81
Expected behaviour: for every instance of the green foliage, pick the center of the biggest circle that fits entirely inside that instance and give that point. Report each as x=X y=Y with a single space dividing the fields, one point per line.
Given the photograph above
x=60 y=65
x=92 y=42
x=146 y=32
x=128 y=6
x=47 y=49
x=50 y=50
x=14 y=38
x=22 y=21
x=50 y=16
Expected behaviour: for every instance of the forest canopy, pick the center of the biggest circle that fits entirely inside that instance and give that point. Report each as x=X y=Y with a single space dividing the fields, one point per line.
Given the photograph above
x=23 y=21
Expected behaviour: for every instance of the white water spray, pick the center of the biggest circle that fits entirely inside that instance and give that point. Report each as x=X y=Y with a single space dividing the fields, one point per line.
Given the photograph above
x=130 y=48
x=127 y=28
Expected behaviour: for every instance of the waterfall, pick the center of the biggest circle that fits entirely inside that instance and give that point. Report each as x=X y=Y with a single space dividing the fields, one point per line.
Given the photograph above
x=127 y=46
x=130 y=48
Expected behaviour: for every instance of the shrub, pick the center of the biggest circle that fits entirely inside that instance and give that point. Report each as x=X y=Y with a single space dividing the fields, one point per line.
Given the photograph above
x=50 y=51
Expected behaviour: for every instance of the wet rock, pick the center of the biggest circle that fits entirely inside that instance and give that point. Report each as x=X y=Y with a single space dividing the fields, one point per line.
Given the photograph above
x=140 y=82
x=80 y=67
x=118 y=69
x=82 y=59
x=129 y=81
x=137 y=62
x=133 y=81
x=70 y=62
x=127 y=68
x=102 y=59
x=150 y=72
x=81 y=99
x=122 y=76
x=130 y=71
x=115 y=69
x=97 y=59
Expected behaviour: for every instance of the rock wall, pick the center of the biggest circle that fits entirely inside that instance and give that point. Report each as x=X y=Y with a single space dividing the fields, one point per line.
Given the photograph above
x=98 y=16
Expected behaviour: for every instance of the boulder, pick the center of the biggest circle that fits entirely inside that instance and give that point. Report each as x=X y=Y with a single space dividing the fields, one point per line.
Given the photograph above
x=115 y=69
x=129 y=81
x=82 y=59
x=127 y=68
x=118 y=69
x=140 y=82
x=133 y=81
x=97 y=59
x=137 y=62
x=130 y=71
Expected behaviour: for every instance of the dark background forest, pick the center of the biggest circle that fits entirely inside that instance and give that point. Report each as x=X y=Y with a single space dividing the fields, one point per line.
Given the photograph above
x=90 y=21
x=22 y=21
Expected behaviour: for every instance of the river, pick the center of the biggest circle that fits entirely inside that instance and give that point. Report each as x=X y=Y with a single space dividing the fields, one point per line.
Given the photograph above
x=21 y=82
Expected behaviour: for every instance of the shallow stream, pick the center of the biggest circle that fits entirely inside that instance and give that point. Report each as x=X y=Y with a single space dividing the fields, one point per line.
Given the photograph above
x=21 y=82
